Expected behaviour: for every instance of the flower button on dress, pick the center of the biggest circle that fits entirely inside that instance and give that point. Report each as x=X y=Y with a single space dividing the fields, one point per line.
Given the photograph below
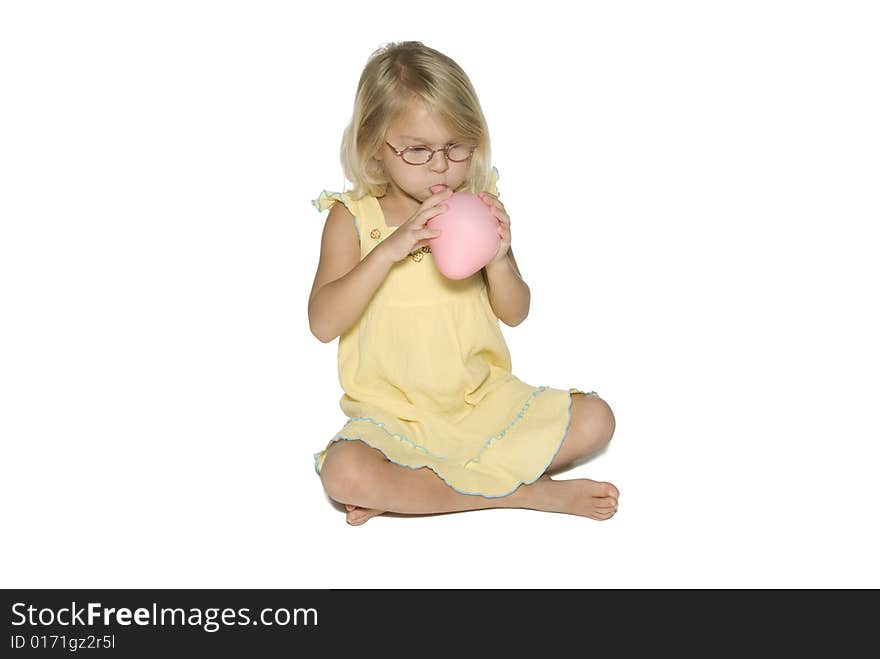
x=375 y=234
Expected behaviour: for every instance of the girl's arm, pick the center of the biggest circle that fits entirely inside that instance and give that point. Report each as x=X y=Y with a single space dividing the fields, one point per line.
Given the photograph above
x=344 y=284
x=509 y=295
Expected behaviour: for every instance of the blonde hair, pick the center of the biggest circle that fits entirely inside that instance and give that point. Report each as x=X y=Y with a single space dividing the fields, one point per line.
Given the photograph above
x=396 y=76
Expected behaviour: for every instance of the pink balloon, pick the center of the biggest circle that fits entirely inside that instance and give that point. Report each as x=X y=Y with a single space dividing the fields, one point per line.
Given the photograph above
x=469 y=238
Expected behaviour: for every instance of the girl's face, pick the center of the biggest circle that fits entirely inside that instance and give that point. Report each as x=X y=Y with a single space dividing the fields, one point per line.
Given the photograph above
x=419 y=127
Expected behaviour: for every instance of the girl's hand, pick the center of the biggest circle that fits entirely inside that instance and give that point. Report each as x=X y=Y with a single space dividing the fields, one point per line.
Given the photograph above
x=414 y=234
x=503 y=225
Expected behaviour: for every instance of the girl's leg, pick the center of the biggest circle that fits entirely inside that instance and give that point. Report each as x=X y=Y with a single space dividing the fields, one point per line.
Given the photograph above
x=358 y=475
x=590 y=429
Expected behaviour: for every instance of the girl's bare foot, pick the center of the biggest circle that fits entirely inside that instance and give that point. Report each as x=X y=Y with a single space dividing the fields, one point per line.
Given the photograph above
x=357 y=515
x=578 y=496
x=584 y=497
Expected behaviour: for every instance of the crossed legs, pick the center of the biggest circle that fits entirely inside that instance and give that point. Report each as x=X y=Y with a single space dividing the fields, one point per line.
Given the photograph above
x=360 y=477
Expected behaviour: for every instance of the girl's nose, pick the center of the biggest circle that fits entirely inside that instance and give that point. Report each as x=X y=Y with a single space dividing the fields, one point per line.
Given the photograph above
x=439 y=163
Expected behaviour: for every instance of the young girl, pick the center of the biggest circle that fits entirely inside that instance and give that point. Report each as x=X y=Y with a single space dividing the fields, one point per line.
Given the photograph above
x=437 y=421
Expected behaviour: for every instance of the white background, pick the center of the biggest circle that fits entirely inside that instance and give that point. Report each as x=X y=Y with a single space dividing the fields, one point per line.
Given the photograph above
x=693 y=189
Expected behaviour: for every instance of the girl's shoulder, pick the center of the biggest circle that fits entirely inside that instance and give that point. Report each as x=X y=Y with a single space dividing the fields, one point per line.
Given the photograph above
x=361 y=211
x=328 y=198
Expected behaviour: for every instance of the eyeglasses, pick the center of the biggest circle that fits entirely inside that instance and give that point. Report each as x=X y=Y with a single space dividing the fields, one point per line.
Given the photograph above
x=420 y=155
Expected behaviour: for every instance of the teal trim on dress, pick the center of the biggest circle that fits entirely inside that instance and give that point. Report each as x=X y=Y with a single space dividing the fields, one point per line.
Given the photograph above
x=381 y=424
x=339 y=437
x=493 y=438
x=440 y=476
x=486 y=444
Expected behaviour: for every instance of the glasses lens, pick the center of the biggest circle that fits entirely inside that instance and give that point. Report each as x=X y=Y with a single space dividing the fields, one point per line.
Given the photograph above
x=460 y=152
x=417 y=155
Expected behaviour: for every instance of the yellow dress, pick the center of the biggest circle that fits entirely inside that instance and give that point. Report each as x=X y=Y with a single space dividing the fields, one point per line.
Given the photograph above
x=427 y=375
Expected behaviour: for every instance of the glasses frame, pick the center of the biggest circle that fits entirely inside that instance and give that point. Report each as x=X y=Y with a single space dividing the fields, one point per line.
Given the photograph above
x=445 y=149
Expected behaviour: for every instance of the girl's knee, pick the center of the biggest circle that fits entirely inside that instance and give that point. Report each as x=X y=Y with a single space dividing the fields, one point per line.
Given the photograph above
x=605 y=419
x=596 y=419
x=346 y=470
x=612 y=422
